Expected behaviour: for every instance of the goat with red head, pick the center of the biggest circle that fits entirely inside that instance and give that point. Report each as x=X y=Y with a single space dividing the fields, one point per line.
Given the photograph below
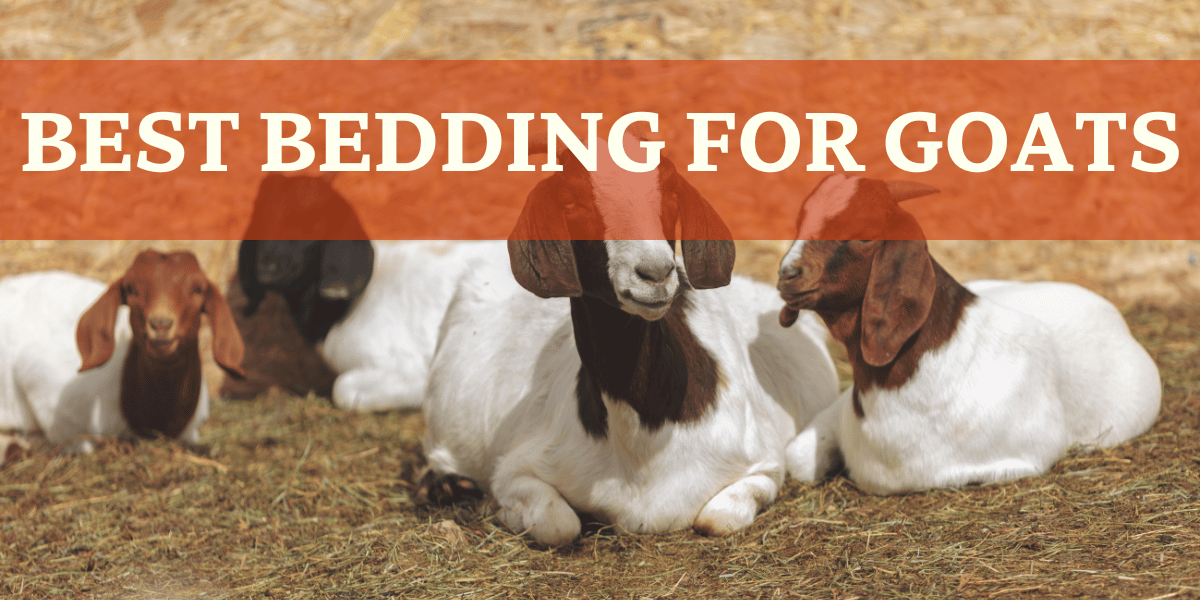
x=952 y=384
x=139 y=374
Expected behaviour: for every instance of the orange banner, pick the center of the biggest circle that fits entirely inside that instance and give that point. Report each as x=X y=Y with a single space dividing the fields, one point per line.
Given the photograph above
x=1108 y=146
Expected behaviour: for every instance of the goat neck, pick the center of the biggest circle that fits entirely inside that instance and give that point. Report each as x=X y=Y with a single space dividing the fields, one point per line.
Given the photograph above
x=656 y=367
x=159 y=395
x=950 y=299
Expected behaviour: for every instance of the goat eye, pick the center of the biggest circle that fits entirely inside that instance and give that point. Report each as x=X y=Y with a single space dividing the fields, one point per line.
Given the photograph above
x=130 y=291
x=198 y=289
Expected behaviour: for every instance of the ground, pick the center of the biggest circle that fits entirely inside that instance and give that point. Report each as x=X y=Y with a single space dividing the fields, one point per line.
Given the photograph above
x=295 y=499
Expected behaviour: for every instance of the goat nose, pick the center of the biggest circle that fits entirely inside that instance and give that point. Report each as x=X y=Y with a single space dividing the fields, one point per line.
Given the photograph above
x=655 y=273
x=788 y=271
x=161 y=324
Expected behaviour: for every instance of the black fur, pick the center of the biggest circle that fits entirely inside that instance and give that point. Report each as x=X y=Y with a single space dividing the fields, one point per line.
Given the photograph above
x=657 y=367
x=300 y=270
x=321 y=273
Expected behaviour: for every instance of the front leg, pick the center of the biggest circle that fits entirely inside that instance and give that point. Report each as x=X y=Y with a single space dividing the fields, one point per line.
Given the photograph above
x=815 y=452
x=530 y=505
x=735 y=507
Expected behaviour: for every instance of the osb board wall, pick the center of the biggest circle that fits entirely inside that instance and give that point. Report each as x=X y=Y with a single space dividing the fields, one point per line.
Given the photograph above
x=1127 y=272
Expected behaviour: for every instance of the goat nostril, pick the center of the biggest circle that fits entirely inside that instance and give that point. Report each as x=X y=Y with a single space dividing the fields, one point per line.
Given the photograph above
x=655 y=273
x=161 y=324
x=788 y=272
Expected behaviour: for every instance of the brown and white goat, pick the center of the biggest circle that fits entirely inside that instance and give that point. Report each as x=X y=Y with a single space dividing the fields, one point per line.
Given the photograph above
x=632 y=392
x=138 y=375
x=952 y=385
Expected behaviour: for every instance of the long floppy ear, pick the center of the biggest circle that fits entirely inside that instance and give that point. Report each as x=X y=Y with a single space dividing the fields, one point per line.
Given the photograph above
x=898 y=298
x=539 y=247
x=708 y=250
x=346 y=267
x=247 y=272
x=94 y=333
x=227 y=345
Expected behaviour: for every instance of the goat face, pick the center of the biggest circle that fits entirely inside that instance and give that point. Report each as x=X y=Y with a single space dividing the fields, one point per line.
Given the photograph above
x=166 y=293
x=282 y=264
x=333 y=255
x=611 y=234
x=826 y=274
x=885 y=269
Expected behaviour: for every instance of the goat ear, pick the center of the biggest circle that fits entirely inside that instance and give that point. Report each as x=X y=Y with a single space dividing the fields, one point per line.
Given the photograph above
x=227 y=345
x=346 y=267
x=266 y=205
x=247 y=272
x=898 y=298
x=94 y=333
x=708 y=250
x=539 y=247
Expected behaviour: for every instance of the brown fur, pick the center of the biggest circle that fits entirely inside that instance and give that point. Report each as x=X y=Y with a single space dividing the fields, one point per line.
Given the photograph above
x=562 y=208
x=885 y=298
x=160 y=380
x=276 y=354
x=658 y=368
x=925 y=308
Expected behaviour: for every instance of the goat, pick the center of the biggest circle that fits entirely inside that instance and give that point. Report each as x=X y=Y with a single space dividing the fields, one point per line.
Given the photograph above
x=953 y=385
x=370 y=309
x=647 y=391
x=132 y=370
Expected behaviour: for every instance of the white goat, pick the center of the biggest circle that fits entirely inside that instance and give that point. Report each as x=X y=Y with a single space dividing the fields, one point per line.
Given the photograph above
x=644 y=399
x=952 y=385
x=140 y=367
x=383 y=347
x=371 y=309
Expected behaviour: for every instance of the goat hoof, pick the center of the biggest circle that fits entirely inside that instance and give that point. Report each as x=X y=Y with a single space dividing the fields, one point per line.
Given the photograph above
x=444 y=490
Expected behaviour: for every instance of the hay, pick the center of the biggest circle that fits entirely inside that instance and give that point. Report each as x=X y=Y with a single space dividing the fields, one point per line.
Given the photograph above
x=298 y=500
x=632 y=29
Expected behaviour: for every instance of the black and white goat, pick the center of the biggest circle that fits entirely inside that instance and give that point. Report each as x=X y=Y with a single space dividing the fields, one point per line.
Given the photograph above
x=638 y=393
x=952 y=384
x=372 y=309
x=76 y=363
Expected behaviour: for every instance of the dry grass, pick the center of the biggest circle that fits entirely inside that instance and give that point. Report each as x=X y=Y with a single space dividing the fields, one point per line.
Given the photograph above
x=295 y=499
x=639 y=29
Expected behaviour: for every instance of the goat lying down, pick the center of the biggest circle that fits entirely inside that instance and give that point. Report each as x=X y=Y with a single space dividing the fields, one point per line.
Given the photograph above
x=634 y=392
x=76 y=363
x=952 y=385
x=370 y=308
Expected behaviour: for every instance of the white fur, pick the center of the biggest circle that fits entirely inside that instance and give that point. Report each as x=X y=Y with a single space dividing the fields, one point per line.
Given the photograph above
x=501 y=409
x=41 y=388
x=793 y=254
x=1032 y=369
x=647 y=298
x=831 y=197
x=383 y=346
x=632 y=202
